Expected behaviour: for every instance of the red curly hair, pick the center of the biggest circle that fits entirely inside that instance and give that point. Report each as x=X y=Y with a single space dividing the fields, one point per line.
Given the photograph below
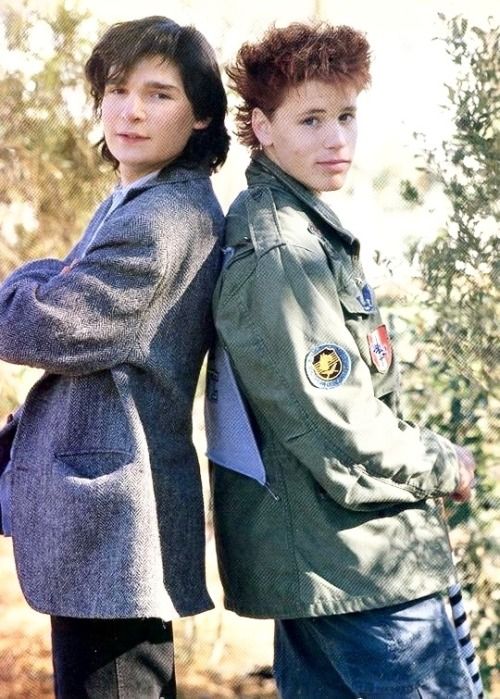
x=263 y=71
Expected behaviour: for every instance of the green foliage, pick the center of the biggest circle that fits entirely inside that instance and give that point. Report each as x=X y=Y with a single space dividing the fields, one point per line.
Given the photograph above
x=460 y=268
x=50 y=175
x=454 y=376
x=409 y=192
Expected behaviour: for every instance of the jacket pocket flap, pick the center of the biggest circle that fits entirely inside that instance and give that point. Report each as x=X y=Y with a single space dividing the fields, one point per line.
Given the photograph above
x=92 y=464
x=358 y=301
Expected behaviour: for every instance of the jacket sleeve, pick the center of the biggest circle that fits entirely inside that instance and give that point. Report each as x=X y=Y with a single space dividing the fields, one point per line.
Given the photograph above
x=84 y=319
x=273 y=312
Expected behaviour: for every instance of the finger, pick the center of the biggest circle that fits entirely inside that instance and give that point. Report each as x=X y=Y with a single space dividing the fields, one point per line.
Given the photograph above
x=462 y=495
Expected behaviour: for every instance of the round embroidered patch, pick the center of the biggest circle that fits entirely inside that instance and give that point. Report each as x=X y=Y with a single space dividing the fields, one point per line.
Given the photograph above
x=327 y=366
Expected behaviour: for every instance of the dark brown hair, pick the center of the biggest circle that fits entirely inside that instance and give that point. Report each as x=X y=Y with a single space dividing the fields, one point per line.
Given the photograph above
x=264 y=70
x=126 y=43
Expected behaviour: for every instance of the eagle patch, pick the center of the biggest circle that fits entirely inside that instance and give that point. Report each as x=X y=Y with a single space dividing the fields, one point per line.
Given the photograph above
x=327 y=366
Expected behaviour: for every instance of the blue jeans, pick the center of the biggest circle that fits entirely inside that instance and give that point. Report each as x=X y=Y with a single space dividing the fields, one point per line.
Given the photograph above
x=407 y=651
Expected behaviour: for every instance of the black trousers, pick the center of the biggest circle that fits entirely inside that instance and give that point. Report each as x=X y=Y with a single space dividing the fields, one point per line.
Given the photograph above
x=113 y=658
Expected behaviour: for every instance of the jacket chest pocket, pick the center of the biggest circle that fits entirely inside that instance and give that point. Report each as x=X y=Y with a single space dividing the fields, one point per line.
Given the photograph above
x=361 y=316
x=356 y=295
x=358 y=298
x=372 y=339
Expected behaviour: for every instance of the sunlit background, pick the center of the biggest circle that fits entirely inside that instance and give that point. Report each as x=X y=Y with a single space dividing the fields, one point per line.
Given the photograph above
x=410 y=74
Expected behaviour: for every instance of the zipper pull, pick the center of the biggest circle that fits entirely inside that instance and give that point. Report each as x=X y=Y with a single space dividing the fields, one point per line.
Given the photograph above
x=268 y=488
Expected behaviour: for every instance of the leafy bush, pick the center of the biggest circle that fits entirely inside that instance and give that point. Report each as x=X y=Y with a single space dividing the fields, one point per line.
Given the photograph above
x=454 y=377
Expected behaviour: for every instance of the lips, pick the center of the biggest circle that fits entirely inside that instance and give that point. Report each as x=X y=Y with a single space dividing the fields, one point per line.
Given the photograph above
x=334 y=166
x=128 y=136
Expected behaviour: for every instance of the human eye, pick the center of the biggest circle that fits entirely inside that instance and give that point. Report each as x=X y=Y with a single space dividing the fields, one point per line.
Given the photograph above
x=114 y=89
x=347 y=116
x=310 y=121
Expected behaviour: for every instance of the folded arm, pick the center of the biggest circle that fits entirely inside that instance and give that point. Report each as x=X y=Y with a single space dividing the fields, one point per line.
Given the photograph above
x=274 y=315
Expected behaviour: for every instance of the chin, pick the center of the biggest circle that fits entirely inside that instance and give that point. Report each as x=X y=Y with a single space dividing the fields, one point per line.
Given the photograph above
x=333 y=186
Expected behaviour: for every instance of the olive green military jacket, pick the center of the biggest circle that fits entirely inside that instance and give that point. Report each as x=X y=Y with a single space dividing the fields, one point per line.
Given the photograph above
x=347 y=519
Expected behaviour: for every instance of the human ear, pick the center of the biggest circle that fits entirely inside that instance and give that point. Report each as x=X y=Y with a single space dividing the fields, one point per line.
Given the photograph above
x=262 y=127
x=201 y=124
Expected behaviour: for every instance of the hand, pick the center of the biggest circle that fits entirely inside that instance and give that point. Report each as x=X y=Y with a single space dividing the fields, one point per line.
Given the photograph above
x=467 y=467
x=68 y=268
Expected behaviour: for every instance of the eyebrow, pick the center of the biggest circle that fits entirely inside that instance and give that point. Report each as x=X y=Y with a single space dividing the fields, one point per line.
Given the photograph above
x=161 y=86
x=313 y=111
x=153 y=84
x=320 y=110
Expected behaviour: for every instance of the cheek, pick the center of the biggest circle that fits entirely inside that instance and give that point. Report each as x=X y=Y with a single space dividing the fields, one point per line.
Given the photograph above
x=303 y=153
x=108 y=115
x=176 y=123
x=353 y=137
x=294 y=145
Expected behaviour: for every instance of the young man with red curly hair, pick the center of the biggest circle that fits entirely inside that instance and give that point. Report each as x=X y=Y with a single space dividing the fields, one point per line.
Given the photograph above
x=339 y=536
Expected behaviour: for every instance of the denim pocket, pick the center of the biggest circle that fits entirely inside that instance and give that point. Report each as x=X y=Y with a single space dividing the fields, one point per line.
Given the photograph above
x=405 y=649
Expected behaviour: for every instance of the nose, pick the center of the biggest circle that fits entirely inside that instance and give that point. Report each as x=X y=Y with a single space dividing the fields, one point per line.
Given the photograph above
x=335 y=136
x=132 y=107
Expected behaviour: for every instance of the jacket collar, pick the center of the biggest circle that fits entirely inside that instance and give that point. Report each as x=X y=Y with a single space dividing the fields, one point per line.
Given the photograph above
x=169 y=174
x=263 y=171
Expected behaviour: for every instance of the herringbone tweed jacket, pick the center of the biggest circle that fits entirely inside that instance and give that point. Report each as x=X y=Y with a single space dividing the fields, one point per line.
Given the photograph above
x=107 y=507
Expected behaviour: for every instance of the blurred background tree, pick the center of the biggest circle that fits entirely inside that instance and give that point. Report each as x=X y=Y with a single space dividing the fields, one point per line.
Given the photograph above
x=51 y=177
x=452 y=383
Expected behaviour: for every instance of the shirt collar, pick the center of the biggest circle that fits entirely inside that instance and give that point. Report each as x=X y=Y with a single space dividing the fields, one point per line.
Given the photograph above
x=123 y=189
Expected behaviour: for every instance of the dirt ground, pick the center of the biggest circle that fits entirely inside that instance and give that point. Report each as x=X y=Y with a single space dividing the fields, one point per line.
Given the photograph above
x=217 y=652
x=218 y=655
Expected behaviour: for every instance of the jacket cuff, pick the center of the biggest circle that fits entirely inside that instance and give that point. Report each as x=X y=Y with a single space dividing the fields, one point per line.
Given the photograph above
x=446 y=471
